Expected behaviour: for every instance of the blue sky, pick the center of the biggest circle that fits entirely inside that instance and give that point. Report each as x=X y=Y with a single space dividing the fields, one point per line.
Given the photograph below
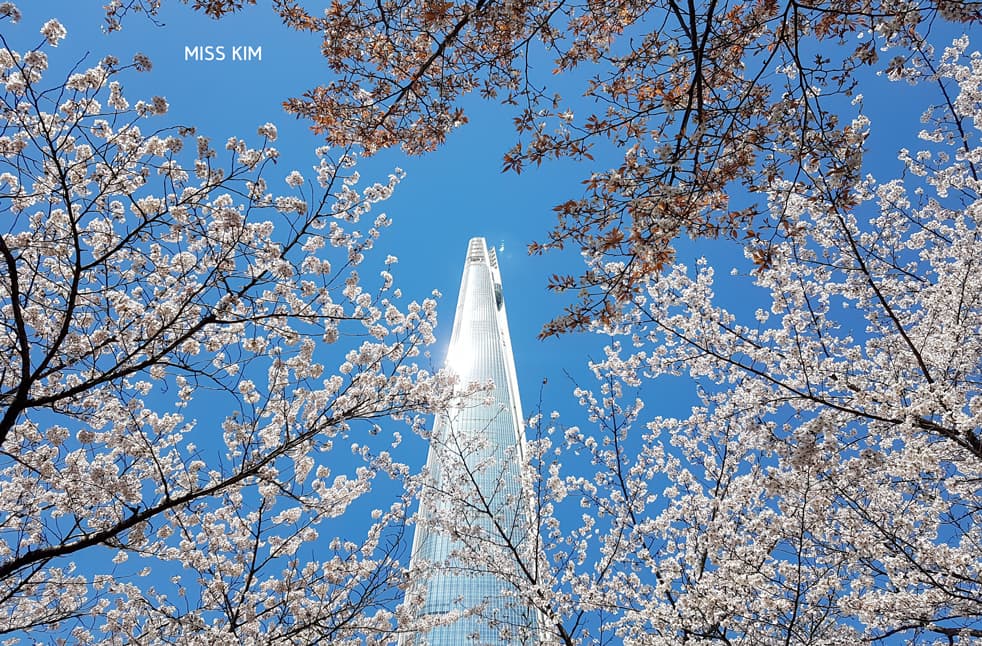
x=446 y=198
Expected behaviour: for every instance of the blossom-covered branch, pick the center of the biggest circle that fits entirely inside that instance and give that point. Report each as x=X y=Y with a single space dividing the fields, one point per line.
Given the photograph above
x=185 y=336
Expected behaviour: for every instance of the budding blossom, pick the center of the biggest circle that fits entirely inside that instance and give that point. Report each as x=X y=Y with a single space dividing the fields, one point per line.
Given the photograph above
x=142 y=63
x=267 y=130
x=92 y=79
x=294 y=179
x=37 y=62
x=53 y=31
x=9 y=10
x=116 y=101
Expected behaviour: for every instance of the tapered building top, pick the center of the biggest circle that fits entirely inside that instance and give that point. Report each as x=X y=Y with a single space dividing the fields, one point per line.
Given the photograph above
x=474 y=514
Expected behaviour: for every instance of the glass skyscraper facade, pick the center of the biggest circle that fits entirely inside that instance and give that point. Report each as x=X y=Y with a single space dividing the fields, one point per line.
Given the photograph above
x=474 y=515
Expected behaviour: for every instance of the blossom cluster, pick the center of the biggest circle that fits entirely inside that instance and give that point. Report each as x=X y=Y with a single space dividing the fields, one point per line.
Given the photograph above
x=185 y=346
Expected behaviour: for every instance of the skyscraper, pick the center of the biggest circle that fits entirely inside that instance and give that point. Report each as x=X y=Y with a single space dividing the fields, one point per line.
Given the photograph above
x=474 y=516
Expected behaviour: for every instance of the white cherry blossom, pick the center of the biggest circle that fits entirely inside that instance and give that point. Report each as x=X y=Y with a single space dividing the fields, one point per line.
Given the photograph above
x=181 y=350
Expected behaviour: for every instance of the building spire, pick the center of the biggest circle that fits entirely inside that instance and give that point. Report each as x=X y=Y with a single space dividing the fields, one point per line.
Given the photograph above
x=465 y=582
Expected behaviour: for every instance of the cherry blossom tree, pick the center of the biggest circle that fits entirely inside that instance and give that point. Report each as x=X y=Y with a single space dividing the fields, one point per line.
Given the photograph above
x=824 y=488
x=187 y=333
x=696 y=112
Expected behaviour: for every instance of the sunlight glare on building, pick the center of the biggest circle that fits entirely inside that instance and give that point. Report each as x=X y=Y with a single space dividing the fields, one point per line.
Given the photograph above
x=474 y=517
